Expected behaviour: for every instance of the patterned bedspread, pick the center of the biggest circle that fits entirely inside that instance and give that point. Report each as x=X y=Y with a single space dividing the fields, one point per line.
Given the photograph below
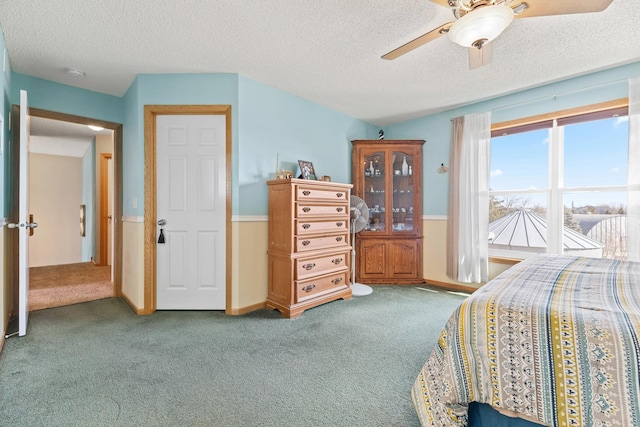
x=554 y=338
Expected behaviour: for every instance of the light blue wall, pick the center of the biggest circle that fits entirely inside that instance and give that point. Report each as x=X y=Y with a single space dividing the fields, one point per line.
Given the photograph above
x=275 y=122
x=60 y=98
x=132 y=153
x=5 y=107
x=436 y=129
x=48 y=95
x=265 y=121
x=169 y=89
x=89 y=200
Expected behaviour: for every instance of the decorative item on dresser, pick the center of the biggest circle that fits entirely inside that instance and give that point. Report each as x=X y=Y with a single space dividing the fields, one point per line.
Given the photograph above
x=387 y=174
x=308 y=244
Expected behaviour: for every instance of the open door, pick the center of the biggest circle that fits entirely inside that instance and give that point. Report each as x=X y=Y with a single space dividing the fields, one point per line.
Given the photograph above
x=24 y=224
x=106 y=208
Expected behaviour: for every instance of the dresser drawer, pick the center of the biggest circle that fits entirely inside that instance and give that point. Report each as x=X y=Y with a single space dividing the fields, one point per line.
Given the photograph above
x=314 y=266
x=305 y=210
x=313 y=243
x=306 y=289
x=310 y=193
x=315 y=227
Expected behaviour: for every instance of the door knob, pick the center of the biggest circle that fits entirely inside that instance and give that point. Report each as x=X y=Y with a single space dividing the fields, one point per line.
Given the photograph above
x=31 y=225
x=162 y=222
x=22 y=224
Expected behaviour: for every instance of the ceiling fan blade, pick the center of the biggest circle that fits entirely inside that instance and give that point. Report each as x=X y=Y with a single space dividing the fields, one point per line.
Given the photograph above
x=417 y=42
x=481 y=56
x=555 y=7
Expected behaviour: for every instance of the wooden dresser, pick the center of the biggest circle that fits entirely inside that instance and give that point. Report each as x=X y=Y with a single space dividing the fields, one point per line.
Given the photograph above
x=309 y=249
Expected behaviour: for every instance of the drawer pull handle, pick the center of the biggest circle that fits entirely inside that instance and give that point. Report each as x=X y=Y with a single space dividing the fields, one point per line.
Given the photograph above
x=305 y=242
x=308 y=266
x=336 y=280
x=306 y=209
x=339 y=209
x=339 y=195
x=308 y=288
x=336 y=261
x=306 y=192
x=339 y=239
x=339 y=224
x=306 y=226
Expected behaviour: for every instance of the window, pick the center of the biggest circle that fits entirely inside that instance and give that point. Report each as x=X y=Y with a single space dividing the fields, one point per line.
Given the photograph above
x=559 y=185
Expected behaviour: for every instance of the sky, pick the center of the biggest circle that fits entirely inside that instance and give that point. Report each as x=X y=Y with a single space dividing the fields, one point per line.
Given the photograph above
x=595 y=155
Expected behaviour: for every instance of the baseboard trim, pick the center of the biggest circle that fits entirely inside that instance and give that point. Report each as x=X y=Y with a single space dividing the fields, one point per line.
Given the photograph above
x=451 y=286
x=2 y=339
x=232 y=312
x=247 y=309
x=137 y=310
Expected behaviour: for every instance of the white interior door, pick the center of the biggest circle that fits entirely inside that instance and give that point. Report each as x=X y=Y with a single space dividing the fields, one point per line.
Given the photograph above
x=191 y=200
x=24 y=225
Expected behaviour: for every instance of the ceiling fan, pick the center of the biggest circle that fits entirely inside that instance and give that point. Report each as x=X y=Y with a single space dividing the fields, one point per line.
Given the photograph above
x=478 y=22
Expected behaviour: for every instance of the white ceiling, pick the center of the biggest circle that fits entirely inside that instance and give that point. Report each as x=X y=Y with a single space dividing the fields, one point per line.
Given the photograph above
x=60 y=138
x=58 y=147
x=326 y=51
x=40 y=126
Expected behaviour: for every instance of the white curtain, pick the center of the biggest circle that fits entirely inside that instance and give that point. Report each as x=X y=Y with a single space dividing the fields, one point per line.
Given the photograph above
x=633 y=166
x=468 y=215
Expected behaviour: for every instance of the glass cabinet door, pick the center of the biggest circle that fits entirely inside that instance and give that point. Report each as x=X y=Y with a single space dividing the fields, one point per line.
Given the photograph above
x=374 y=190
x=403 y=191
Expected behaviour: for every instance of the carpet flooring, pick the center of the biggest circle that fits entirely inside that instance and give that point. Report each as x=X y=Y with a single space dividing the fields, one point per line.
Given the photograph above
x=60 y=285
x=344 y=364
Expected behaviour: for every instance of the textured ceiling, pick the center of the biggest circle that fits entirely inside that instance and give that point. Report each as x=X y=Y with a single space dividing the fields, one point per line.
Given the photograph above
x=326 y=51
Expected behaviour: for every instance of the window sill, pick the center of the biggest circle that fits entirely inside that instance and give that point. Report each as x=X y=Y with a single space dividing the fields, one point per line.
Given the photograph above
x=504 y=260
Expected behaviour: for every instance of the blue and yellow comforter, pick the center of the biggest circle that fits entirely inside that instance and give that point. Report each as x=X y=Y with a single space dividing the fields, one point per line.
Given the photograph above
x=554 y=339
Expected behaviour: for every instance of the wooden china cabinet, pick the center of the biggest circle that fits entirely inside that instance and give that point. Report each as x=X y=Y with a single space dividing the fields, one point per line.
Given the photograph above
x=387 y=175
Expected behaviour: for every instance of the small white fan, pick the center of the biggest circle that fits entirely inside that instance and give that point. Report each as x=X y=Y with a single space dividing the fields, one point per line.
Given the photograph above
x=359 y=212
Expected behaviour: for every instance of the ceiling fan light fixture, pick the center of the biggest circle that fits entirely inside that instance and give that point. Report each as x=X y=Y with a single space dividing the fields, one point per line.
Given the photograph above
x=485 y=23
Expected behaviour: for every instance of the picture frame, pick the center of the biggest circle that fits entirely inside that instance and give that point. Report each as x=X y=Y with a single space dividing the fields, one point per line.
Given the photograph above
x=306 y=170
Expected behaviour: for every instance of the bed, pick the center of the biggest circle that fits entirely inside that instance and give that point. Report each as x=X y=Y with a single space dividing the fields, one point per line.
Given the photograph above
x=551 y=341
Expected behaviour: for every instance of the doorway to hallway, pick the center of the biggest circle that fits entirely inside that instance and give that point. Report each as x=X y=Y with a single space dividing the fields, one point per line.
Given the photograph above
x=96 y=283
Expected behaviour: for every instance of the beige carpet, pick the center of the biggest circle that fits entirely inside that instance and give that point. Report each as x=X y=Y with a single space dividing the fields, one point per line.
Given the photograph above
x=58 y=285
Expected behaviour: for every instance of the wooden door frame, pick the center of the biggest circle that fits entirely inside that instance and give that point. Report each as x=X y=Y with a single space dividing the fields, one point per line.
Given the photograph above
x=117 y=185
x=150 y=188
x=104 y=207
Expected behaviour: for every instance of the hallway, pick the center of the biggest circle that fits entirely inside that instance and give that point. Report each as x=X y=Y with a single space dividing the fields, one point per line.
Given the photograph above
x=59 y=285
